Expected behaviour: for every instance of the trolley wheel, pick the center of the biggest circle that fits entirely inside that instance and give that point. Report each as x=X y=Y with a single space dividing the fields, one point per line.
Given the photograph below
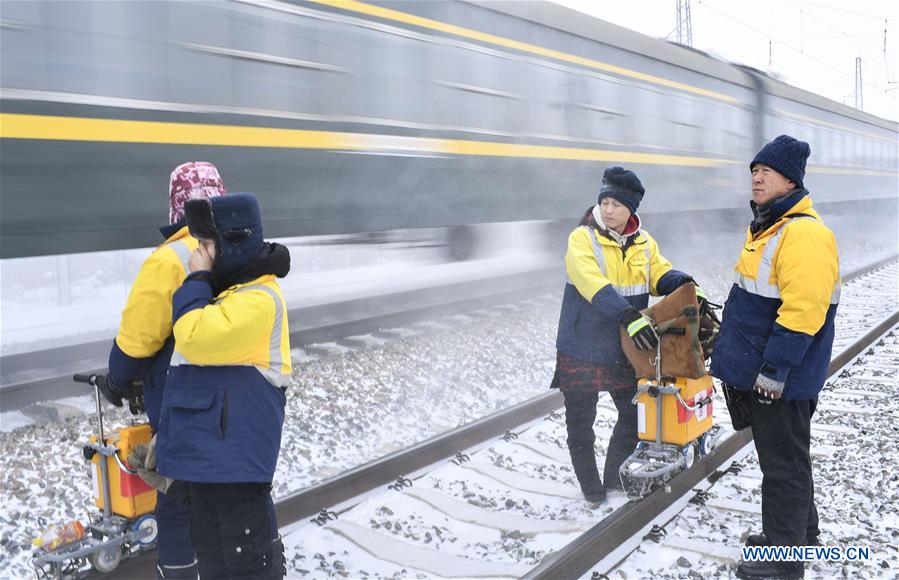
x=706 y=444
x=146 y=522
x=106 y=560
x=688 y=456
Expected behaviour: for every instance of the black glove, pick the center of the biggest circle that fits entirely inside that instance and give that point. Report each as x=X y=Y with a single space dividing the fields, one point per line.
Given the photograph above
x=110 y=390
x=703 y=301
x=640 y=329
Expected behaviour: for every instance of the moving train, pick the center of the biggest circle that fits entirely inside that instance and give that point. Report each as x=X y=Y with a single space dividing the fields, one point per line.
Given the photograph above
x=347 y=116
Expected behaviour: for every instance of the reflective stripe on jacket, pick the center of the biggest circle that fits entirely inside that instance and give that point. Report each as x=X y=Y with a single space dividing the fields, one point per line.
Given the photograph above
x=779 y=316
x=223 y=407
x=603 y=281
x=143 y=345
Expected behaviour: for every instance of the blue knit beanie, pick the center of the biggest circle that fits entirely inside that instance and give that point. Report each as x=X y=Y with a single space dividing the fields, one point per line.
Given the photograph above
x=785 y=155
x=622 y=185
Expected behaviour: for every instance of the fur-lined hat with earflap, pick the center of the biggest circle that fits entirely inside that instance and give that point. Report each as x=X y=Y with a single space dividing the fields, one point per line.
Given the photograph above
x=234 y=222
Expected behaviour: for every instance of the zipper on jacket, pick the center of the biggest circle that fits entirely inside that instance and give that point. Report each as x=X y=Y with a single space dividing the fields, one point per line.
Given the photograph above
x=223 y=422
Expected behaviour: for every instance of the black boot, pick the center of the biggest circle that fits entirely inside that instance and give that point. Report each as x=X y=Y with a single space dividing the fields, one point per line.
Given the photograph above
x=762 y=540
x=770 y=570
x=583 y=459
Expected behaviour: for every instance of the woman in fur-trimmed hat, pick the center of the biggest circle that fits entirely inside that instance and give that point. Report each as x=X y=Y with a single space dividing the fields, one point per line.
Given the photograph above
x=613 y=266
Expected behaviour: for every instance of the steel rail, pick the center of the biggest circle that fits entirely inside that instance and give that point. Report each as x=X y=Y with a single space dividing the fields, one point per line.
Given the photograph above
x=601 y=539
x=575 y=559
x=308 y=325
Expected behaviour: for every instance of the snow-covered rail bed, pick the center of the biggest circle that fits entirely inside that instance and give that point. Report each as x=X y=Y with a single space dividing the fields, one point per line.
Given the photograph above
x=516 y=501
x=856 y=488
x=346 y=410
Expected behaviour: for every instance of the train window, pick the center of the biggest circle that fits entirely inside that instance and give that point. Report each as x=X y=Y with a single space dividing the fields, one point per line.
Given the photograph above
x=392 y=64
x=67 y=48
x=198 y=25
x=337 y=47
x=605 y=106
x=472 y=89
x=129 y=46
x=828 y=146
x=23 y=58
x=547 y=101
x=441 y=98
x=681 y=113
x=839 y=148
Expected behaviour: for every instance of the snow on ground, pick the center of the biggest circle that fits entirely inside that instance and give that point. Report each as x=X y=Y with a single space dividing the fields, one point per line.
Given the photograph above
x=343 y=410
x=856 y=487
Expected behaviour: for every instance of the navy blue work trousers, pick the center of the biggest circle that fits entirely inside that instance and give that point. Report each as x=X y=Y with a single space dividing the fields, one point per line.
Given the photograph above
x=782 y=432
x=173 y=544
x=235 y=531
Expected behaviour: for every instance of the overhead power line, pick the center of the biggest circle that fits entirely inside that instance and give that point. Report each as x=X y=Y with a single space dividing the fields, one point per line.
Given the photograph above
x=773 y=40
x=872 y=16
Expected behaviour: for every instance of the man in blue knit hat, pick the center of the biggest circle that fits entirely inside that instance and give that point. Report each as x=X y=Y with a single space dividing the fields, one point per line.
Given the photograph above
x=775 y=342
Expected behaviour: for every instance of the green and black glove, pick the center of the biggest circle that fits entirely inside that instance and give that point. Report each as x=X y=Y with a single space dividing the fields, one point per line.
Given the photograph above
x=640 y=329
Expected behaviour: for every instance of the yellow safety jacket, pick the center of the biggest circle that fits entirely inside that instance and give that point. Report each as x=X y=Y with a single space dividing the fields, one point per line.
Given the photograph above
x=780 y=311
x=147 y=318
x=604 y=279
x=143 y=345
x=224 y=400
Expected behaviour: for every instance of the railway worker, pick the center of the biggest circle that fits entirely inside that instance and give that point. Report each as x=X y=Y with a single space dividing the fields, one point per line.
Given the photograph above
x=223 y=406
x=775 y=343
x=613 y=266
x=143 y=346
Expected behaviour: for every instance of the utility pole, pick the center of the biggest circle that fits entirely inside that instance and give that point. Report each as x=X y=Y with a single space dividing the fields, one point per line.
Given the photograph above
x=684 y=23
x=859 y=104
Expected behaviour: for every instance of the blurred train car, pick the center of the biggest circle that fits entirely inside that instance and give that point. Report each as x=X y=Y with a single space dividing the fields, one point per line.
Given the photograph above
x=348 y=117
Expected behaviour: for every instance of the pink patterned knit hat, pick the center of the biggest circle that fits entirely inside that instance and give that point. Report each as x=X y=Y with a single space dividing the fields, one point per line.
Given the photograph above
x=192 y=180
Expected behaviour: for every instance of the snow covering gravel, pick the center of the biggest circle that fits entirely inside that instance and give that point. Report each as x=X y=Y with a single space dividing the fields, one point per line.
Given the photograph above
x=856 y=486
x=350 y=408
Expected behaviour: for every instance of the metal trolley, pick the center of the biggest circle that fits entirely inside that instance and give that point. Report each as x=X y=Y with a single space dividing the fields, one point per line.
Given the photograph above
x=674 y=424
x=109 y=536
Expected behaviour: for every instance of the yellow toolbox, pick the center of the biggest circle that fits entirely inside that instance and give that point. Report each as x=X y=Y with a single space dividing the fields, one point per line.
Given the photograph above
x=679 y=425
x=130 y=496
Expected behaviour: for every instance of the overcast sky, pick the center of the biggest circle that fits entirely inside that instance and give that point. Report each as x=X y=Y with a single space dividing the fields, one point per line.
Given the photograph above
x=813 y=44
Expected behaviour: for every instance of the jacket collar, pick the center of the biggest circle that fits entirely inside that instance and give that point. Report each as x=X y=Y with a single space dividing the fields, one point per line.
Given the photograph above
x=767 y=214
x=801 y=205
x=632 y=233
x=168 y=232
x=273 y=259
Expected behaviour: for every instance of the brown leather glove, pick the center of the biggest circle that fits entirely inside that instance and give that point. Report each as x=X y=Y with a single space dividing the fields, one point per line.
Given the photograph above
x=143 y=459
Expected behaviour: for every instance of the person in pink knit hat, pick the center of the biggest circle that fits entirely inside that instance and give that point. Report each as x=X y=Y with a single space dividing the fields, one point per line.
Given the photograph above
x=143 y=347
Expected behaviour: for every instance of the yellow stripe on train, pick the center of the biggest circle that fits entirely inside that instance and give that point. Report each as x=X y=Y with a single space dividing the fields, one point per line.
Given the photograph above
x=406 y=18
x=15 y=126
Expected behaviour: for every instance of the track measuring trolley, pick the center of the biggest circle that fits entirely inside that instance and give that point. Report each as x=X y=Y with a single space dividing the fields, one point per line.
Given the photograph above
x=125 y=525
x=674 y=400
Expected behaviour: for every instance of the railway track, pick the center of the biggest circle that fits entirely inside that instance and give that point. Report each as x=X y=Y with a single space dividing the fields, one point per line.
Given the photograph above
x=516 y=497
x=856 y=408
x=47 y=375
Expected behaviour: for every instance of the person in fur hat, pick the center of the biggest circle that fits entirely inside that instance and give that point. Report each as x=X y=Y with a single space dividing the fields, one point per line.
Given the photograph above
x=613 y=265
x=223 y=407
x=143 y=347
